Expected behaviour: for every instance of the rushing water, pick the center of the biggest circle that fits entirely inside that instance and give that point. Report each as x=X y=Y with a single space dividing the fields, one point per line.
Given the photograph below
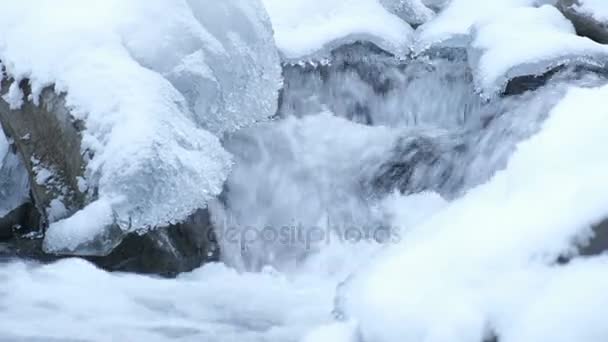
x=310 y=200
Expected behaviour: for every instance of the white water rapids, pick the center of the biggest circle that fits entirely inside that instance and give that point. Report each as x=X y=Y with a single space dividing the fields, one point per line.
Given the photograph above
x=313 y=198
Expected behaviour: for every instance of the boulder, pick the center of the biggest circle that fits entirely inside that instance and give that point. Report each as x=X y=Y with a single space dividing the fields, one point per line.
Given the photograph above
x=585 y=23
x=48 y=142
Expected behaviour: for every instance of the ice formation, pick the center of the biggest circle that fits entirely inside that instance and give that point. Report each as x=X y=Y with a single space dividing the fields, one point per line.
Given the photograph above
x=14 y=184
x=152 y=85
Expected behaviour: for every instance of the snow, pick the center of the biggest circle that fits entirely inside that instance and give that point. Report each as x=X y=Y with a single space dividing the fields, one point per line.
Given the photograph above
x=462 y=269
x=73 y=299
x=80 y=232
x=305 y=28
x=598 y=9
x=414 y=12
x=485 y=261
x=151 y=83
x=528 y=41
x=452 y=26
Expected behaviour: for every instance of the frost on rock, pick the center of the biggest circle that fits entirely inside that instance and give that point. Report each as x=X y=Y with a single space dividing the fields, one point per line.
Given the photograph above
x=14 y=183
x=306 y=29
x=528 y=41
x=486 y=262
x=414 y=12
x=150 y=83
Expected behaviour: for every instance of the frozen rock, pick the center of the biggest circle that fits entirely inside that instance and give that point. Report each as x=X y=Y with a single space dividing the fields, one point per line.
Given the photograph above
x=135 y=117
x=414 y=12
x=528 y=41
x=14 y=189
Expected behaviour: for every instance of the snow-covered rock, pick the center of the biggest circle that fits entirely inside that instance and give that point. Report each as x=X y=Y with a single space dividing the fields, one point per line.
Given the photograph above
x=414 y=12
x=148 y=85
x=440 y=284
x=527 y=41
x=311 y=29
x=590 y=17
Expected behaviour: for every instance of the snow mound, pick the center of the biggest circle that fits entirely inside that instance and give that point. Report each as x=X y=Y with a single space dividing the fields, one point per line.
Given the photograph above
x=484 y=265
x=307 y=29
x=151 y=83
x=598 y=9
x=528 y=41
x=452 y=26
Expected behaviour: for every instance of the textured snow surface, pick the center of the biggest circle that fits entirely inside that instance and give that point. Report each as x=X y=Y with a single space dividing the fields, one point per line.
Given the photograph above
x=485 y=263
x=598 y=9
x=304 y=28
x=72 y=300
x=452 y=26
x=151 y=80
x=528 y=41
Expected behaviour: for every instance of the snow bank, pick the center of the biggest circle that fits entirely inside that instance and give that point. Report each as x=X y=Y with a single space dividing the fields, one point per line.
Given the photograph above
x=482 y=265
x=527 y=41
x=598 y=9
x=452 y=26
x=151 y=82
x=305 y=28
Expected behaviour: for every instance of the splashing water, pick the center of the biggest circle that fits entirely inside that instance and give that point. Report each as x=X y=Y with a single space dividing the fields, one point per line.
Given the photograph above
x=359 y=143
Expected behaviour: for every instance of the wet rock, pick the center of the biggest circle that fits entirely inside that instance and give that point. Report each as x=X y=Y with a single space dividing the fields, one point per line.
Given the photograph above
x=598 y=243
x=48 y=141
x=167 y=251
x=586 y=25
x=22 y=220
x=421 y=163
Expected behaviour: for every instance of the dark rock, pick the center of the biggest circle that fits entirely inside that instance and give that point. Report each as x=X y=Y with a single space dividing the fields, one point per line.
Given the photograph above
x=48 y=141
x=599 y=243
x=585 y=24
x=521 y=84
x=166 y=251
x=24 y=219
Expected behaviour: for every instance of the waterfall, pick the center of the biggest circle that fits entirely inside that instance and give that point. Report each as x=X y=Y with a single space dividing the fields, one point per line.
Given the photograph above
x=353 y=130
